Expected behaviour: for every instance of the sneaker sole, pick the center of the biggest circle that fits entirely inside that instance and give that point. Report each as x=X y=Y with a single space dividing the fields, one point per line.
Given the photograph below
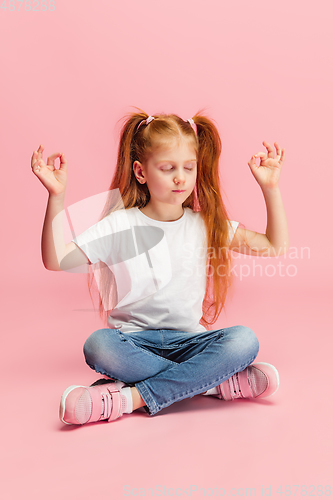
x=62 y=402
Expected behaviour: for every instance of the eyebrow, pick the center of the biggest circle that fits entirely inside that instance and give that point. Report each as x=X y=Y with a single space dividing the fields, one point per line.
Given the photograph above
x=171 y=161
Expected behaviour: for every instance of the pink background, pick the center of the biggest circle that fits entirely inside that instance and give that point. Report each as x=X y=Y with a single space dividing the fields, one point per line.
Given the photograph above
x=263 y=71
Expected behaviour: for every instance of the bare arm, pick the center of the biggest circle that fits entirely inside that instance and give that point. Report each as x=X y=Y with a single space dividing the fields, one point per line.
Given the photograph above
x=56 y=255
x=276 y=241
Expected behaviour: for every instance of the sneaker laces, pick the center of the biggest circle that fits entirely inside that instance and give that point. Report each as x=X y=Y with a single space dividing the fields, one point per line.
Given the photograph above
x=234 y=387
x=256 y=379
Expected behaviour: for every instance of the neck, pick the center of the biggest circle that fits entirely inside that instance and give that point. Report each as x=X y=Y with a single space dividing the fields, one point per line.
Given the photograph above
x=169 y=214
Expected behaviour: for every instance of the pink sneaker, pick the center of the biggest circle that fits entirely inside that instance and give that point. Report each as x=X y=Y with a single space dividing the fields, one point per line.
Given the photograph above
x=258 y=380
x=80 y=404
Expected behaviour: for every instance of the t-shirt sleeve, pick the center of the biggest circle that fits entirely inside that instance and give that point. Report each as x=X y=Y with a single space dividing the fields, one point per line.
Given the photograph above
x=232 y=229
x=94 y=242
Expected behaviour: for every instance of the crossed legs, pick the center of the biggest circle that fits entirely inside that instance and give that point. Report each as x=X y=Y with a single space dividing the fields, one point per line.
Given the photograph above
x=165 y=366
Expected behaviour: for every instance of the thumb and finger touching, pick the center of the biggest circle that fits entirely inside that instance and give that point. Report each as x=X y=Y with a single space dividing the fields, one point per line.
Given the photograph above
x=48 y=174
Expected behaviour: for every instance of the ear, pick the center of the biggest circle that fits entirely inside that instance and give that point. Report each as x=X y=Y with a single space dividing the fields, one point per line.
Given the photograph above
x=138 y=172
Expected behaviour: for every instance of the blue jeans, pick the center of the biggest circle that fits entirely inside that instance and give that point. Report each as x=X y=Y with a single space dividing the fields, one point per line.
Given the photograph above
x=169 y=365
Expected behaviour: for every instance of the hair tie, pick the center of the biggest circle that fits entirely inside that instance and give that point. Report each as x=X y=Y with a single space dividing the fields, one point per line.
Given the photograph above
x=148 y=120
x=151 y=118
x=193 y=125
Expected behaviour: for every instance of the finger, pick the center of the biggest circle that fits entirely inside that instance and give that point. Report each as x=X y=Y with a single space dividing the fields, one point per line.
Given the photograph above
x=283 y=155
x=269 y=149
x=51 y=159
x=63 y=162
x=34 y=158
x=253 y=162
x=277 y=147
x=280 y=153
x=37 y=158
x=35 y=154
x=262 y=156
x=40 y=151
x=36 y=167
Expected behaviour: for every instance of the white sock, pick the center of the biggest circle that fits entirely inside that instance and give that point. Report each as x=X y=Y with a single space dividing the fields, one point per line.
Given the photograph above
x=211 y=392
x=126 y=391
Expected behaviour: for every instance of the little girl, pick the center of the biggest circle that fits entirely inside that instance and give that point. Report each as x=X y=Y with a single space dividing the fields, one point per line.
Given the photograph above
x=164 y=259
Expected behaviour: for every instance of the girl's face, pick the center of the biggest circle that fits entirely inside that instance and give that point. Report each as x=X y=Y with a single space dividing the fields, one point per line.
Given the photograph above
x=168 y=172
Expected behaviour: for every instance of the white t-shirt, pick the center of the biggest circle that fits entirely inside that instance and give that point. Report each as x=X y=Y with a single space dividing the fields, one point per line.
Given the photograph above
x=159 y=268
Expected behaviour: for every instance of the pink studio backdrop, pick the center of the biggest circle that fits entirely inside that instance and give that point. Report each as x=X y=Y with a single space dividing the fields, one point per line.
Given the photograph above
x=263 y=71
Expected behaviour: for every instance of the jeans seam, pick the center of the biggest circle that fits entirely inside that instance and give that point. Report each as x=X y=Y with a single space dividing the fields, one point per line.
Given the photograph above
x=146 y=396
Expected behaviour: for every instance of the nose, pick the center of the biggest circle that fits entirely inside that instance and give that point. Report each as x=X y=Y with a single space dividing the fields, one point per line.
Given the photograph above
x=179 y=179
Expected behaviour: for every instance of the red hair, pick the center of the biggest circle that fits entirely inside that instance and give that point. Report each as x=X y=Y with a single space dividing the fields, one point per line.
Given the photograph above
x=139 y=144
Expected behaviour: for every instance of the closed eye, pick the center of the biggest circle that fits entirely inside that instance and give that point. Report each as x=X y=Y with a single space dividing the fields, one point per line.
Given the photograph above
x=168 y=169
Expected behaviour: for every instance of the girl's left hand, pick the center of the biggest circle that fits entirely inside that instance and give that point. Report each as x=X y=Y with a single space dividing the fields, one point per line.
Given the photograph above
x=267 y=174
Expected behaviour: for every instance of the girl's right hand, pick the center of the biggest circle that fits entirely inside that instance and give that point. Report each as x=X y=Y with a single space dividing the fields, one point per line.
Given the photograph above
x=53 y=179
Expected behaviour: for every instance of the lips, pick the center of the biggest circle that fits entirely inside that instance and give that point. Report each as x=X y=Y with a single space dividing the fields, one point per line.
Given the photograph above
x=178 y=190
